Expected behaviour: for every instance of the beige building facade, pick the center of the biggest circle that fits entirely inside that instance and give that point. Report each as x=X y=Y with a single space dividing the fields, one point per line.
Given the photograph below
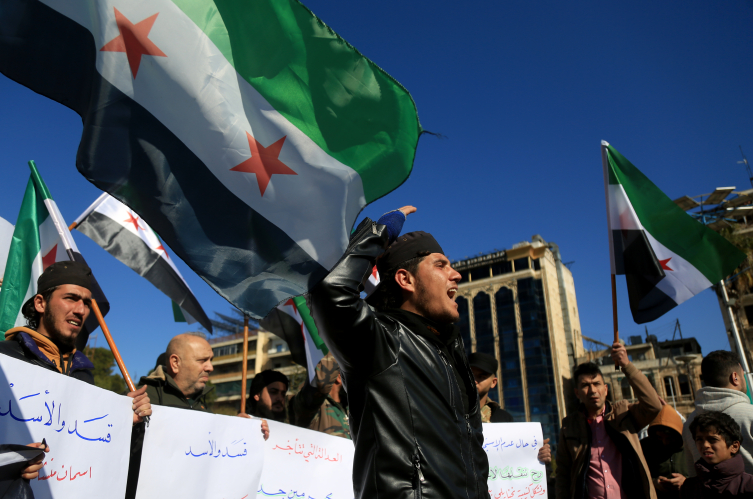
x=520 y=306
x=265 y=351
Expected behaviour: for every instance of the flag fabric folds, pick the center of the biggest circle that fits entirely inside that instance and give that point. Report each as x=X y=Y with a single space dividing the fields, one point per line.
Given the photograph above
x=292 y=322
x=127 y=237
x=666 y=256
x=248 y=134
x=40 y=239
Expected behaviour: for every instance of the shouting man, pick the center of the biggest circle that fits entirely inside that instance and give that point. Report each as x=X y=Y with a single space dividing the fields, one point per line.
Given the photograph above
x=415 y=418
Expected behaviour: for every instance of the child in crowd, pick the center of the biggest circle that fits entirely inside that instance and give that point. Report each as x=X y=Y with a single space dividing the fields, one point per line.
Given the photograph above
x=720 y=471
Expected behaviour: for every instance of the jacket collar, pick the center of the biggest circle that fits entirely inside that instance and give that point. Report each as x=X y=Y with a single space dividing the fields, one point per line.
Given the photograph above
x=443 y=335
x=79 y=361
x=724 y=470
x=160 y=378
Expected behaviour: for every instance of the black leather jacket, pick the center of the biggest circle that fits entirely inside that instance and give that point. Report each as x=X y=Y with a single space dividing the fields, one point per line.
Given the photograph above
x=413 y=436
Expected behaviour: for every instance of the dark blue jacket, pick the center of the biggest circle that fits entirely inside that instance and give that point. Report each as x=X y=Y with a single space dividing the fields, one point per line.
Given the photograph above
x=23 y=347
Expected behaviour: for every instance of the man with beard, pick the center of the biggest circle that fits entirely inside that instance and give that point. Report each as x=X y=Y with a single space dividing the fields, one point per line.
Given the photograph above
x=55 y=316
x=267 y=396
x=415 y=416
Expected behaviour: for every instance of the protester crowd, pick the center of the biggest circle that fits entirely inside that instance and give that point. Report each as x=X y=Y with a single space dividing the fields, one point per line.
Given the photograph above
x=410 y=387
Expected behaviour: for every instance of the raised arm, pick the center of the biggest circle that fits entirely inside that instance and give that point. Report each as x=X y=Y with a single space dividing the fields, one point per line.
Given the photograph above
x=345 y=322
x=309 y=399
x=648 y=406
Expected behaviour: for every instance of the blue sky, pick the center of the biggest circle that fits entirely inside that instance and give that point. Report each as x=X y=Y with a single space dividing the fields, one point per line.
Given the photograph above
x=523 y=93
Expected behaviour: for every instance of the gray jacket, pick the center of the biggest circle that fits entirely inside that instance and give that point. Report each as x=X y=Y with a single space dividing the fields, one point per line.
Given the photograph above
x=728 y=401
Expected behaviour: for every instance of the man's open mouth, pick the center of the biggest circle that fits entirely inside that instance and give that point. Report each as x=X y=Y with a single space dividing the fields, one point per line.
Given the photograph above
x=452 y=293
x=74 y=323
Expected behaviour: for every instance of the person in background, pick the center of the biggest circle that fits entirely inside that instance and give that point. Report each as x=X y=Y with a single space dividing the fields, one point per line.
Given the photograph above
x=725 y=391
x=599 y=454
x=720 y=471
x=267 y=396
x=322 y=406
x=54 y=318
x=484 y=368
x=664 y=454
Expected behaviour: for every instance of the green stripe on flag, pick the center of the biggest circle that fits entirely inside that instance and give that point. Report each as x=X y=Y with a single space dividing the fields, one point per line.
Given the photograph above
x=24 y=248
x=42 y=189
x=346 y=104
x=178 y=313
x=703 y=248
x=308 y=321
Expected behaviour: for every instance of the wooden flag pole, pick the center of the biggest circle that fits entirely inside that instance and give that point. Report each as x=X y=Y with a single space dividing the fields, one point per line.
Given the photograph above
x=72 y=226
x=113 y=347
x=244 y=367
x=614 y=315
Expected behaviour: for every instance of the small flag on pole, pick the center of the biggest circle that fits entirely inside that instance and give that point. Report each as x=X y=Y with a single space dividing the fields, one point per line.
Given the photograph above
x=666 y=255
x=40 y=239
x=292 y=322
x=127 y=237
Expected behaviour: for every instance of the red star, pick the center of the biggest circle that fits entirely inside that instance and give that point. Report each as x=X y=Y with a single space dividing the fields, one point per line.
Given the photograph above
x=664 y=265
x=49 y=258
x=264 y=162
x=162 y=248
x=134 y=221
x=133 y=40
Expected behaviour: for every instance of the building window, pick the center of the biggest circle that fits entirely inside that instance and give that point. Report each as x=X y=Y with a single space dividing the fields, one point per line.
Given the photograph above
x=463 y=276
x=504 y=267
x=537 y=264
x=627 y=391
x=522 y=264
x=464 y=323
x=226 y=350
x=684 y=382
x=508 y=350
x=480 y=273
x=669 y=386
x=482 y=312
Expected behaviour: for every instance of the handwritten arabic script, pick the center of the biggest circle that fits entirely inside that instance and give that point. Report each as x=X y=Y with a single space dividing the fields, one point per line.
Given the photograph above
x=528 y=492
x=500 y=444
x=216 y=450
x=514 y=473
x=45 y=406
x=312 y=451
x=292 y=494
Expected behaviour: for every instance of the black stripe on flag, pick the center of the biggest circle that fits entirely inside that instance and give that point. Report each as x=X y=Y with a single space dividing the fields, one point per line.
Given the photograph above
x=127 y=152
x=136 y=254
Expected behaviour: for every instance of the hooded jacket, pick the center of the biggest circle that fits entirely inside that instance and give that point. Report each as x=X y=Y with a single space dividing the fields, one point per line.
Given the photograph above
x=623 y=421
x=726 y=479
x=731 y=402
x=415 y=418
x=29 y=346
x=664 y=460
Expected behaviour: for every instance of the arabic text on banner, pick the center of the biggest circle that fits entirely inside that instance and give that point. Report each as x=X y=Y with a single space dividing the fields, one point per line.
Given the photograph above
x=514 y=470
x=88 y=430
x=303 y=463
x=208 y=455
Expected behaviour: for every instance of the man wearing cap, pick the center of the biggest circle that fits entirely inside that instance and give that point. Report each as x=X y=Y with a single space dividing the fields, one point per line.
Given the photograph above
x=267 y=396
x=484 y=368
x=414 y=409
x=55 y=316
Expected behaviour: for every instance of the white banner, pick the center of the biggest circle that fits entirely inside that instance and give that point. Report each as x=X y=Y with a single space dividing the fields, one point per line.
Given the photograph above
x=305 y=464
x=514 y=469
x=196 y=454
x=88 y=430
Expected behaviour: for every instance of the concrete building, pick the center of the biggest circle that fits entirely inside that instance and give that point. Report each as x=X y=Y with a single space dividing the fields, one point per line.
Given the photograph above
x=265 y=351
x=519 y=305
x=673 y=367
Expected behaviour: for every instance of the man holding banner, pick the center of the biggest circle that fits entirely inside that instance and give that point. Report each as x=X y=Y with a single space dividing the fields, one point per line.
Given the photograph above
x=55 y=316
x=415 y=418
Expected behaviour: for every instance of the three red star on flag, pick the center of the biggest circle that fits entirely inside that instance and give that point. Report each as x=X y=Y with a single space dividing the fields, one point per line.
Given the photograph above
x=264 y=162
x=133 y=40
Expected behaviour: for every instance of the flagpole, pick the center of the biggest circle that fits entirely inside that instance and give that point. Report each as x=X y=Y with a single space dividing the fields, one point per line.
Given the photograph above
x=614 y=315
x=244 y=368
x=735 y=334
x=113 y=347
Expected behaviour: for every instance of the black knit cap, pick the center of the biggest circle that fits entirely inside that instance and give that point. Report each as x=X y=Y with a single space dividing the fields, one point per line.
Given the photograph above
x=406 y=247
x=483 y=361
x=59 y=273
x=266 y=378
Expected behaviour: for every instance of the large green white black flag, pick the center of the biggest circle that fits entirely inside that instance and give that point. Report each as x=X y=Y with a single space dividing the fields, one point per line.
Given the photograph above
x=666 y=255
